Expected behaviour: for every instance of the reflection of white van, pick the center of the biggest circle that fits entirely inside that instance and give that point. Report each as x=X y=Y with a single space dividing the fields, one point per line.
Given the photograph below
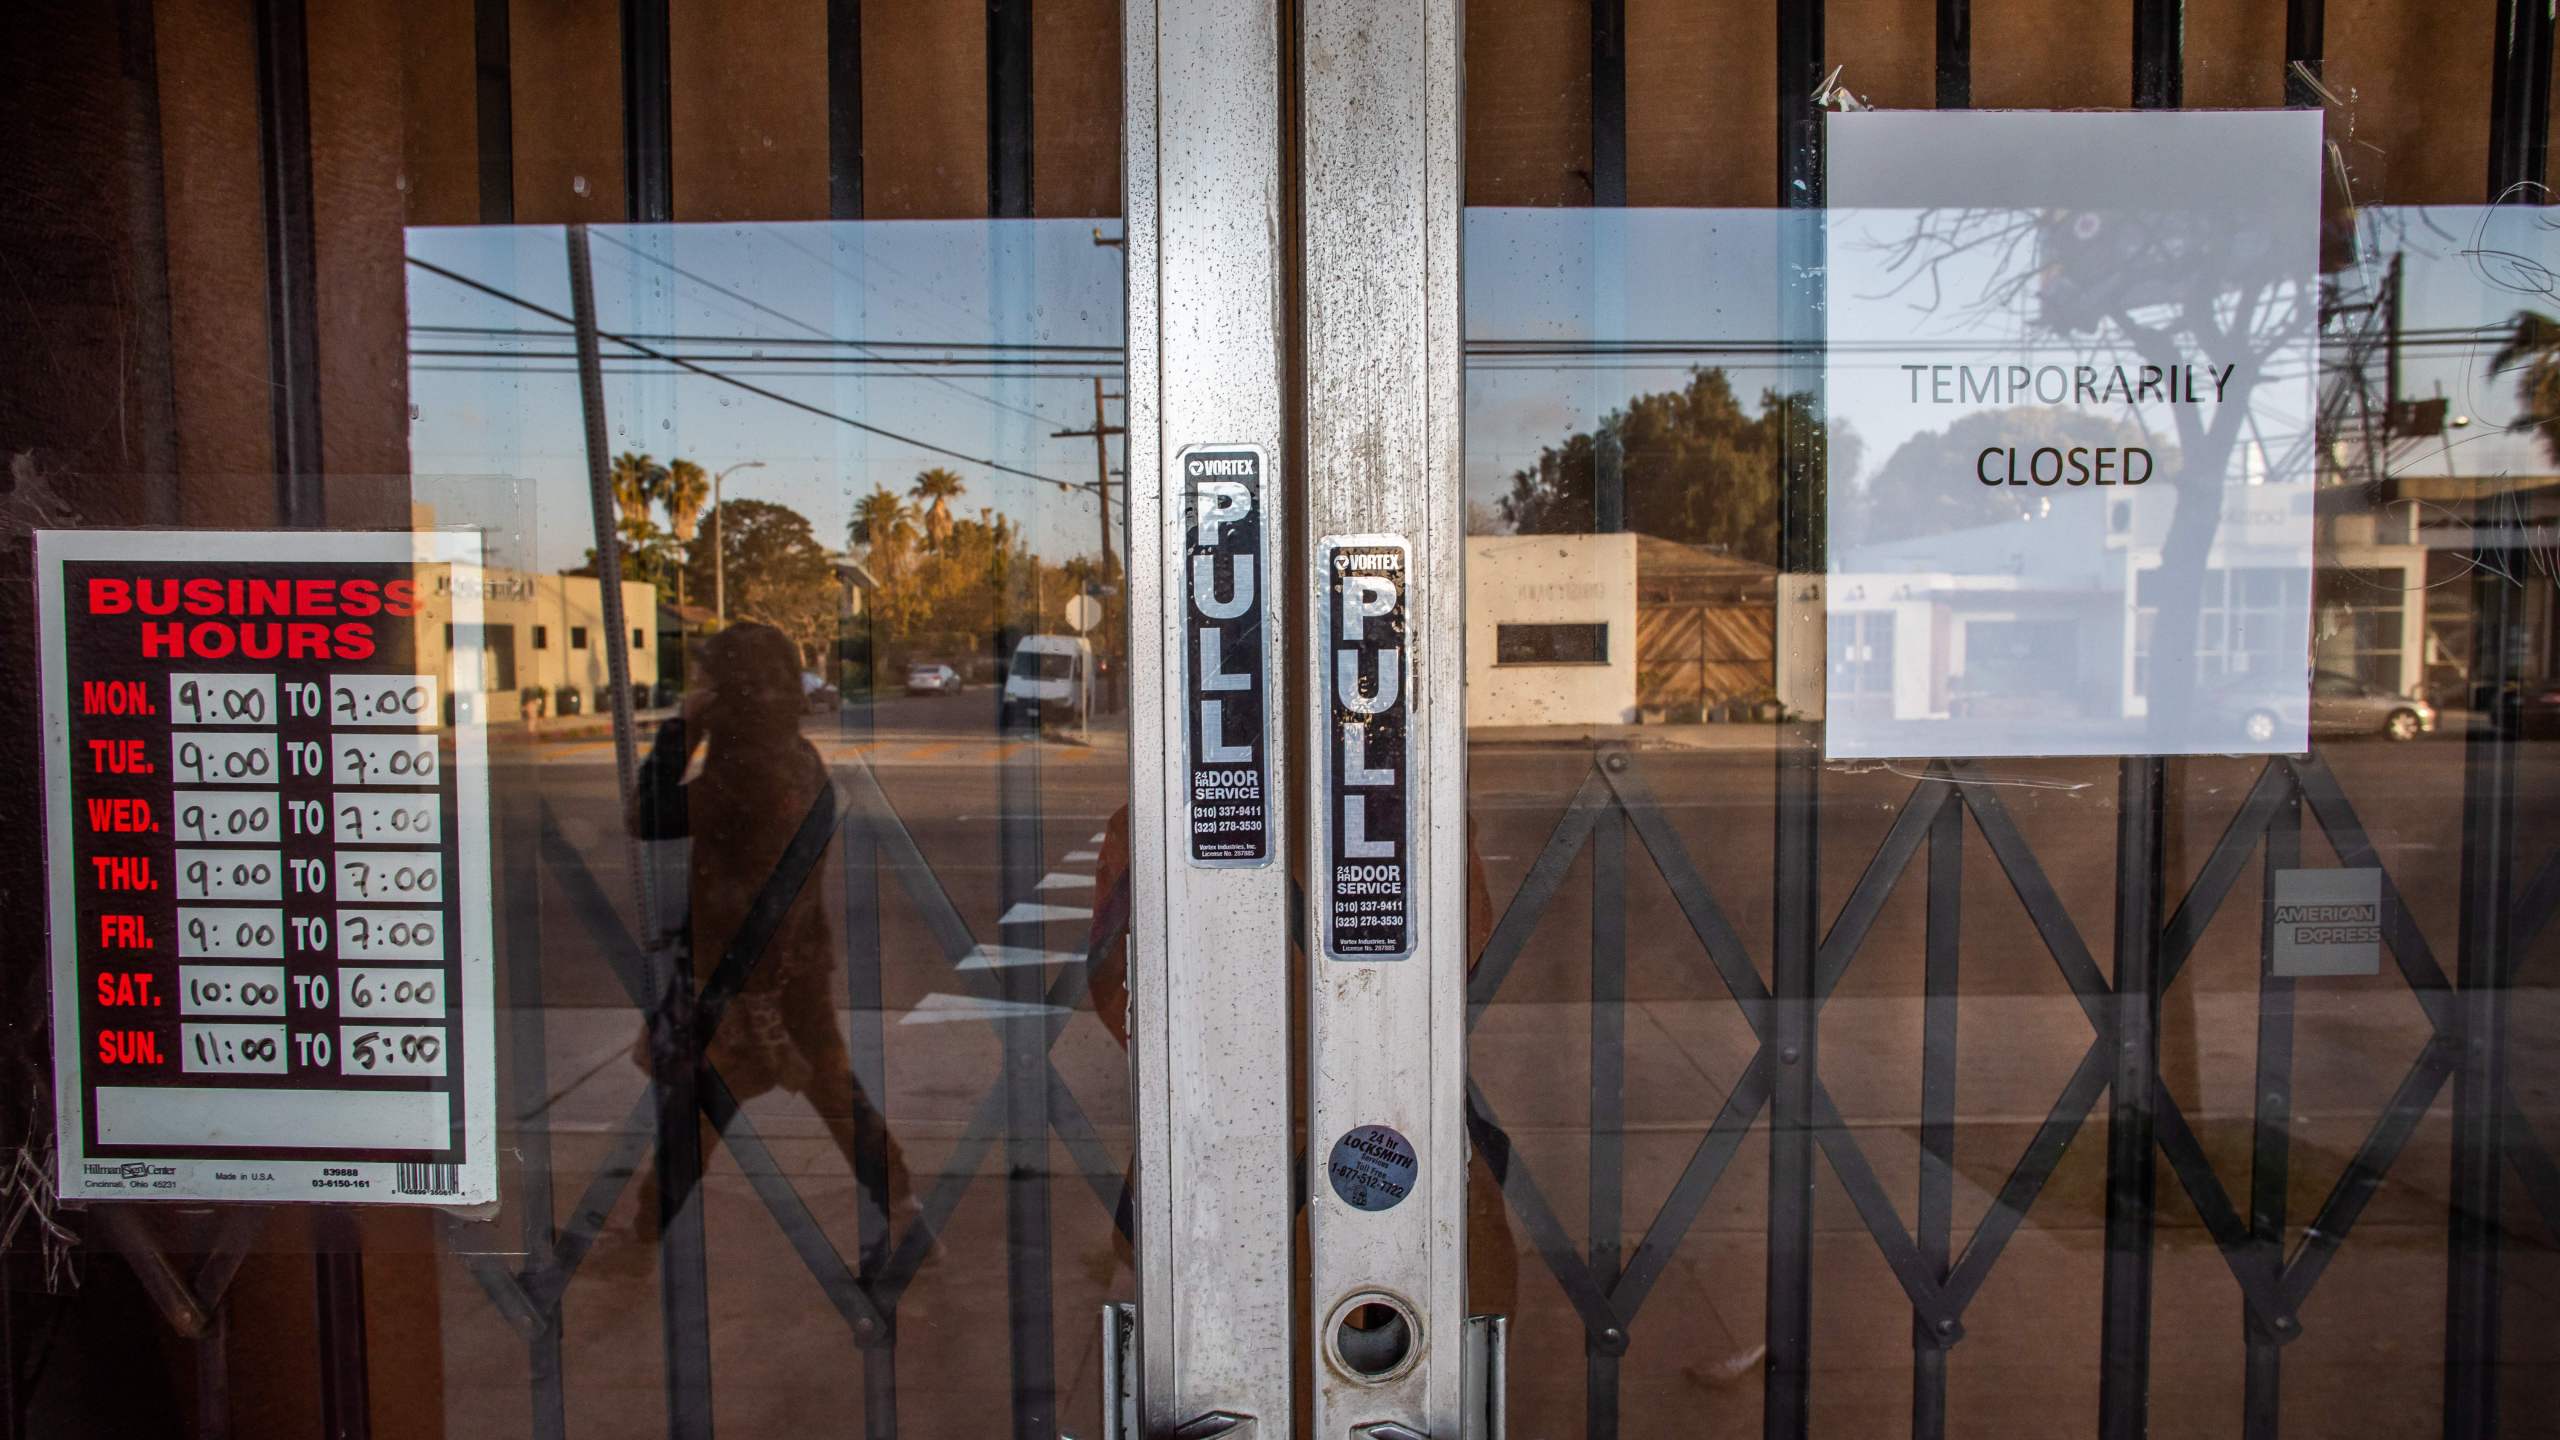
x=1053 y=673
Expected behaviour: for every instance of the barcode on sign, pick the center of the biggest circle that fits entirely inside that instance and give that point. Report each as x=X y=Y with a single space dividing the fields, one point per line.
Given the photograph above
x=421 y=1179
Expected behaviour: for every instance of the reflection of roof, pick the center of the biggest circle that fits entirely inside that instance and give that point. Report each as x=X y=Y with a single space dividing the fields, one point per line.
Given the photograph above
x=2454 y=489
x=1669 y=572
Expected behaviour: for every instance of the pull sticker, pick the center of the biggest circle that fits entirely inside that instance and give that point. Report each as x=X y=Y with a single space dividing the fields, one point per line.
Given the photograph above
x=1372 y=1168
x=1227 y=720
x=1367 y=820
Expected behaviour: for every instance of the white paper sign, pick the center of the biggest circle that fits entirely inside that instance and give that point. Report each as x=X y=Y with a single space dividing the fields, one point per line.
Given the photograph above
x=267 y=841
x=2071 y=379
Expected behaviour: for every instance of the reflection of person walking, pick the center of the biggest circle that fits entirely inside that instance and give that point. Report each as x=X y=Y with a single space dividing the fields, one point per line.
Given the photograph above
x=759 y=779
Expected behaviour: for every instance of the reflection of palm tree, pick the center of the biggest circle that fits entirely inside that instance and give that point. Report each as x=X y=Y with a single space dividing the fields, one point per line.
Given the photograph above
x=934 y=490
x=683 y=492
x=2534 y=347
x=883 y=523
x=638 y=480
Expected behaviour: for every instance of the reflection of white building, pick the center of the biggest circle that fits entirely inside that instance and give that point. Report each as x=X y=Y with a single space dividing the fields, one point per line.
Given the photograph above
x=1613 y=630
x=2033 y=626
x=1551 y=629
x=543 y=639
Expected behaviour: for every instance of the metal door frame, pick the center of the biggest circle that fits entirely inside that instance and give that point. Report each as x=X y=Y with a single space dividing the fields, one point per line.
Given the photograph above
x=1209 y=946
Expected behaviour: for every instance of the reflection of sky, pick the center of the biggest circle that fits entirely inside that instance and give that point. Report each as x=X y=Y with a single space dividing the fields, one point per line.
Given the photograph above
x=757 y=302
x=1701 y=287
x=1569 y=313
x=2469 y=270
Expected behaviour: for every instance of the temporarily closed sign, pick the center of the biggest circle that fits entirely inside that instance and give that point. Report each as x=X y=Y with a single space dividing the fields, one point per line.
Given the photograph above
x=2069 y=390
x=268 y=859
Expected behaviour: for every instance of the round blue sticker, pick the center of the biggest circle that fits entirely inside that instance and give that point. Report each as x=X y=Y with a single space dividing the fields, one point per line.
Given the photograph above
x=1372 y=1168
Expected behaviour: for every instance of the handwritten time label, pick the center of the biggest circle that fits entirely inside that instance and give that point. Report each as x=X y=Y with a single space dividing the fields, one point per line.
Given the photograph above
x=415 y=876
x=227 y=817
x=382 y=760
x=408 y=701
x=391 y=1050
x=230 y=932
x=230 y=875
x=392 y=819
x=222 y=699
x=214 y=758
x=231 y=990
x=233 y=1049
x=391 y=994
x=391 y=934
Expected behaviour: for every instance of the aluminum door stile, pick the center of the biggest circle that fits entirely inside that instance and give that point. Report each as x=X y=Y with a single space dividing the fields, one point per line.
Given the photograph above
x=1380 y=196
x=1209 y=945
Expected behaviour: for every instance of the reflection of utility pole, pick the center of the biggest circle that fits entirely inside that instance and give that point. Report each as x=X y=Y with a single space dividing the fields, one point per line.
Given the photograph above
x=720 y=545
x=1100 y=432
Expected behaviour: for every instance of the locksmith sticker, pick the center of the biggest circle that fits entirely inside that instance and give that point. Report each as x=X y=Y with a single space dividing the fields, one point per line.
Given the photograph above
x=2326 y=922
x=1372 y=1168
x=1366 y=883
x=1226 y=722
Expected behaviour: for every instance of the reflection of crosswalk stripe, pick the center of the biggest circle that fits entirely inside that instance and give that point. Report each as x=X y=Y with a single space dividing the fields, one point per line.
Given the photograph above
x=1061 y=880
x=942 y=1008
x=1084 y=857
x=1098 y=838
x=999 y=957
x=1029 y=912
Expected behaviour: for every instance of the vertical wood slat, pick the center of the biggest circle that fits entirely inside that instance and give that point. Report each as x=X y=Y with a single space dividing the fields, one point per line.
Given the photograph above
x=292 y=247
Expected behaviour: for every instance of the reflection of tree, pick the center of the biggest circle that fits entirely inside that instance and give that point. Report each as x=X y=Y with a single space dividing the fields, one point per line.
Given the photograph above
x=933 y=493
x=2533 y=349
x=637 y=481
x=1916 y=474
x=1698 y=468
x=684 y=492
x=778 y=573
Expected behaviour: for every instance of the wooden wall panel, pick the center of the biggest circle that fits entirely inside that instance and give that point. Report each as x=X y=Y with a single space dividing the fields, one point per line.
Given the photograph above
x=217 y=261
x=1075 y=108
x=567 y=92
x=358 y=136
x=750 y=97
x=2415 y=79
x=440 y=81
x=924 y=110
x=1528 y=99
x=2235 y=55
x=1702 y=102
x=2052 y=54
x=1887 y=51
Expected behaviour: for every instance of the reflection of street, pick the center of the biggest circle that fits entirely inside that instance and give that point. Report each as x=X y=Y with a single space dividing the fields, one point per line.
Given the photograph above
x=939 y=763
x=2031 y=1337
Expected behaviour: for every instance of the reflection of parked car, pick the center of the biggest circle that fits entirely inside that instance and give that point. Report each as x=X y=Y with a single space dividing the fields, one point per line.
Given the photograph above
x=932 y=680
x=817 y=693
x=2344 y=705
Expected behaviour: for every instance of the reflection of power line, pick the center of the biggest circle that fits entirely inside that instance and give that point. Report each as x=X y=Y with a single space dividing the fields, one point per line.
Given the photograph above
x=637 y=365
x=793 y=320
x=708 y=373
x=524 y=333
x=1033 y=365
